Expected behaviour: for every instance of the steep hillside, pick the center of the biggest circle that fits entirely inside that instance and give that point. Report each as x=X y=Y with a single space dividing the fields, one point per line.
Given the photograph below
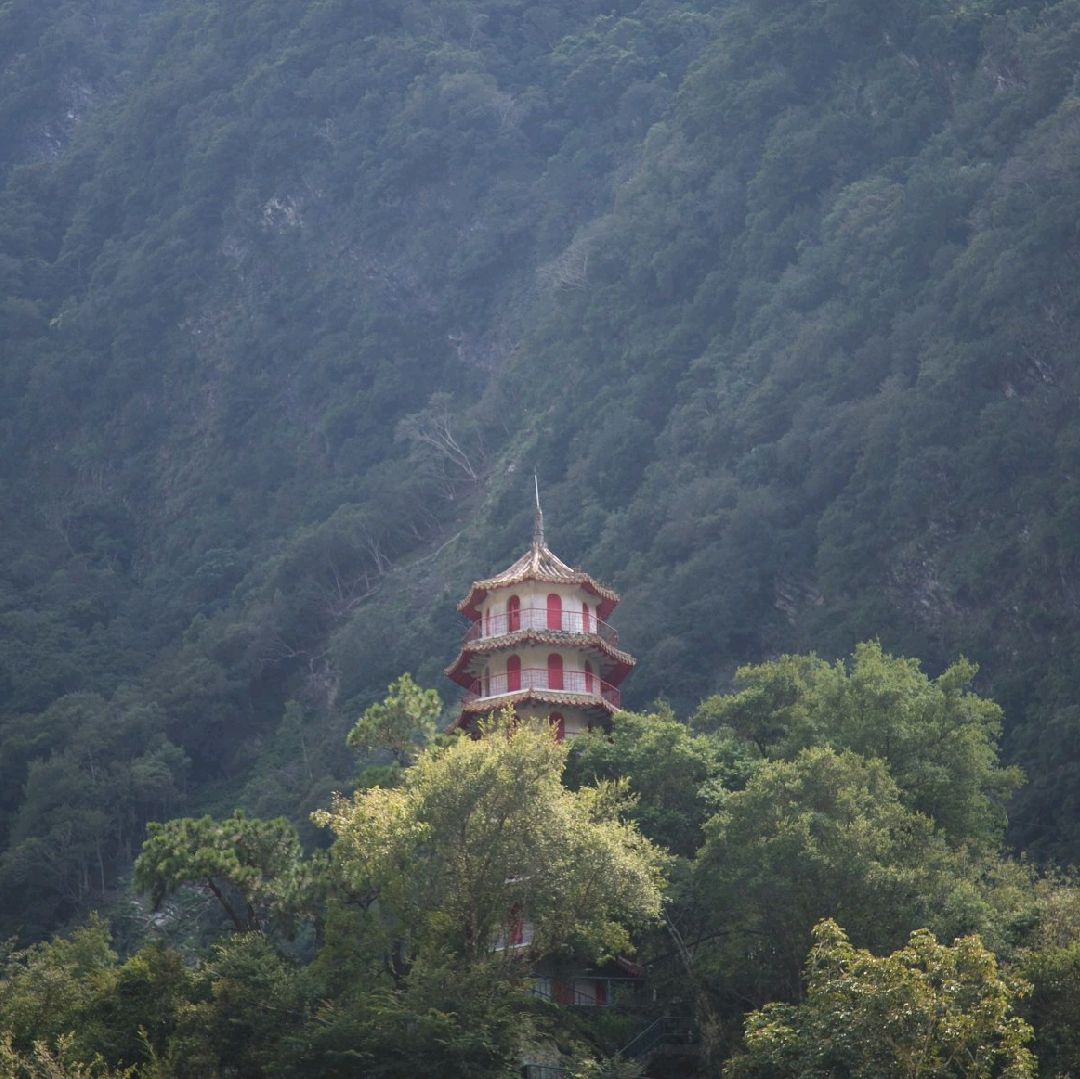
x=286 y=229
x=780 y=300
x=820 y=383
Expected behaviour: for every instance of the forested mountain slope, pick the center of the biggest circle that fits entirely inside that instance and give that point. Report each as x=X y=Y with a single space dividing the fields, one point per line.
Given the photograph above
x=780 y=299
x=284 y=230
x=853 y=243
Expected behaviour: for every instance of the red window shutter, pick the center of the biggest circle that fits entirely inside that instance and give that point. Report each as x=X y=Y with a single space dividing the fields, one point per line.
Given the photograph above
x=555 y=671
x=513 y=614
x=513 y=673
x=601 y=993
x=554 y=611
x=588 y=677
x=516 y=928
x=562 y=991
x=586 y=619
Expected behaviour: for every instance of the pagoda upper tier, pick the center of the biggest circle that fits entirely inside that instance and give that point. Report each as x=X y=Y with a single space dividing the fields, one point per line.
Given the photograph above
x=539 y=641
x=539 y=564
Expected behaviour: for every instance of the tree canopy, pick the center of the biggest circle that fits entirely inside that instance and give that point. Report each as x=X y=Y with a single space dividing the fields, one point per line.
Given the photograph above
x=926 y=1009
x=688 y=871
x=483 y=832
x=779 y=299
x=938 y=738
x=249 y=866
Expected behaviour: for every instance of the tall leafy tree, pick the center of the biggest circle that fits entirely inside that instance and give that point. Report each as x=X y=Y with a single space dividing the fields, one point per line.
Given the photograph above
x=400 y=724
x=249 y=866
x=48 y=989
x=824 y=835
x=938 y=738
x=671 y=772
x=926 y=1009
x=482 y=833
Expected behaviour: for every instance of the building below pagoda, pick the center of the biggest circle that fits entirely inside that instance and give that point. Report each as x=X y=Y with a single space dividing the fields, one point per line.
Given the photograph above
x=539 y=641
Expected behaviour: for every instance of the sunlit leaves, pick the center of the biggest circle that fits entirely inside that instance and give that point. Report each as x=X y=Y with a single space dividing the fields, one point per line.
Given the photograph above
x=484 y=826
x=926 y=1009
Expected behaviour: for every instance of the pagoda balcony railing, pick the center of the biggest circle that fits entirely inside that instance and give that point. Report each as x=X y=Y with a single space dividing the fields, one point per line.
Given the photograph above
x=575 y=683
x=498 y=624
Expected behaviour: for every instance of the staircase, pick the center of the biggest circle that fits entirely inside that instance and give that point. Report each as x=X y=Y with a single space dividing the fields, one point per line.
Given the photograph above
x=667 y=1034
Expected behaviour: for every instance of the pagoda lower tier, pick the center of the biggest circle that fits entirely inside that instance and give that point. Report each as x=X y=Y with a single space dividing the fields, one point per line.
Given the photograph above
x=569 y=678
x=570 y=713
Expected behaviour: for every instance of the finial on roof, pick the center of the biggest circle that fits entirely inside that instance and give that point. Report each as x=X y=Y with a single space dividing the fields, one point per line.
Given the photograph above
x=538 y=522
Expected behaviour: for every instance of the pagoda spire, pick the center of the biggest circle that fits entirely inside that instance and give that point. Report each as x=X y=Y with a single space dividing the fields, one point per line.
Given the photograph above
x=538 y=520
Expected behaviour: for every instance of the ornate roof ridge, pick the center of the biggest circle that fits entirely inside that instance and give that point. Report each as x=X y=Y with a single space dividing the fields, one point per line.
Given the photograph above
x=538 y=563
x=538 y=559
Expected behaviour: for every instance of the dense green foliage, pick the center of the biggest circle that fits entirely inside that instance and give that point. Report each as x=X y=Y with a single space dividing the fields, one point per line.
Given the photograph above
x=781 y=301
x=717 y=862
x=399 y=723
x=778 y=297
x=249 y=866
x=485 y=828
x=925 y=1010
x=938 y=738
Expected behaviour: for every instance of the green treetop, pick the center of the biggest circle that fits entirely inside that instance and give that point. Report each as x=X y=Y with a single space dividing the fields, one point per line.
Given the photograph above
x=484 y=828
x=400 y=724
x=938 y=738
x=248 y=865
x=926 y=1010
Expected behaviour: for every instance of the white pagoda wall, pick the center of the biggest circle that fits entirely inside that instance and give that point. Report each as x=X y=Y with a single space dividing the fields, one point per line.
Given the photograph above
x=533 y=596
x=536 y=657
x=574 y=721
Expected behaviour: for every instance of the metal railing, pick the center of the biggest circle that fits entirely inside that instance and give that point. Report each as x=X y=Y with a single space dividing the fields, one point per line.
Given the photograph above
x=578 y=683
x=595 y=997
x=500 y=623
x=591 y=1000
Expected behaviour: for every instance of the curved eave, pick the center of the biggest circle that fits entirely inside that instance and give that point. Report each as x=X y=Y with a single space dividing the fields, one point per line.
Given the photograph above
x=539 y=564
x=478 y=706
x=622 y=663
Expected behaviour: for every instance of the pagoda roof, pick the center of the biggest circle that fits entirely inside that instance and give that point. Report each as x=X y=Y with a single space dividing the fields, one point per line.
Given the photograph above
x=473 y=706
x=539 y=563
x=622 y=661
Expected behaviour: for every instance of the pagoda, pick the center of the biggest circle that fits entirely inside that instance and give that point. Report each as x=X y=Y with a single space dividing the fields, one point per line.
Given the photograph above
x=538 y=640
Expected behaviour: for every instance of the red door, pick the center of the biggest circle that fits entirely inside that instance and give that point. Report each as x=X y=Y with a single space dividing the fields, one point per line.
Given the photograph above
x=554 y=611
x=586 y=619
x=555 y=676
x=513 y=673
x=513 y=614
